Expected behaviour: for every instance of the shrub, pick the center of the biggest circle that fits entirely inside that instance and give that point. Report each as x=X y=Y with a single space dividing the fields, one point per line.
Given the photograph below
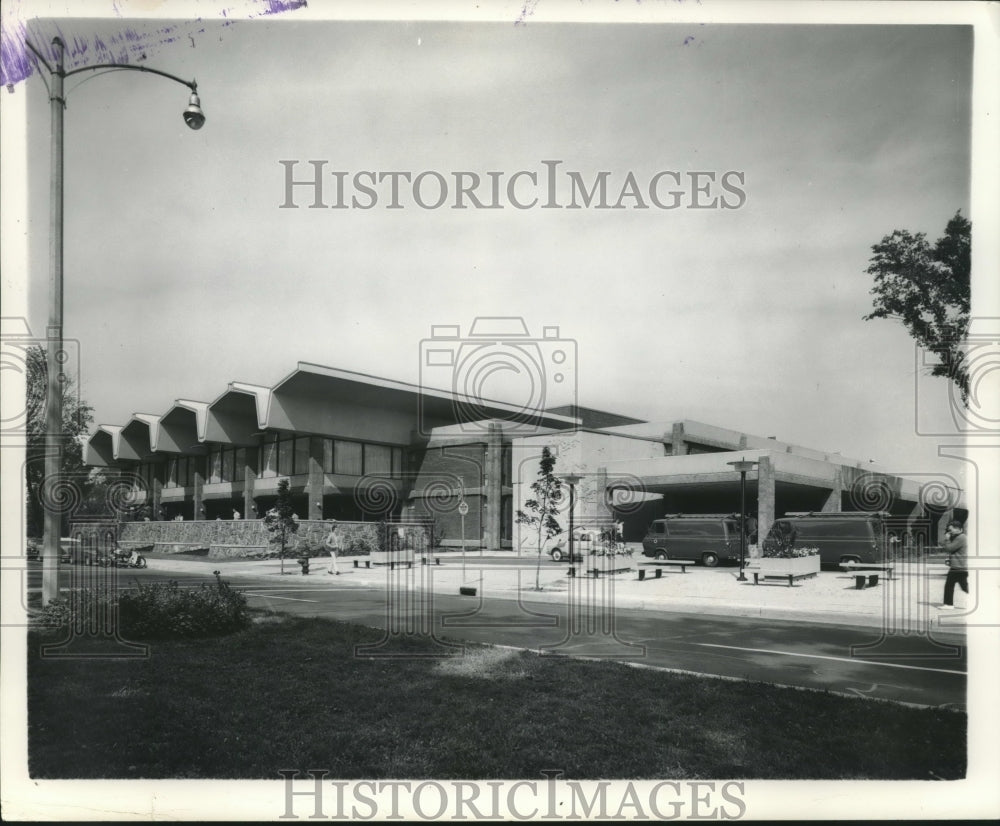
x=779 y=541
x=83 y=606
x=158 y=611
x=166 y=610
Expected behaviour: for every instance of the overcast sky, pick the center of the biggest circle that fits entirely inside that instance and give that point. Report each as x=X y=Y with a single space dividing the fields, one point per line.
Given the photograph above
x=182 y=273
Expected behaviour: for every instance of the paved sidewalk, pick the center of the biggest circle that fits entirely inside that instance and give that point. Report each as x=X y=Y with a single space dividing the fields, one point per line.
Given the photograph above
x=906 y=604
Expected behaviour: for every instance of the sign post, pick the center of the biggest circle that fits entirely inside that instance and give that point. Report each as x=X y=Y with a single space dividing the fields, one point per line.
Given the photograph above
x=463 y=509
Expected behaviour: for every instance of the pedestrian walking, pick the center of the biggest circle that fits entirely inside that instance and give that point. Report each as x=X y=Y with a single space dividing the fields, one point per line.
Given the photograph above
x=956 y=545
x=332 y=544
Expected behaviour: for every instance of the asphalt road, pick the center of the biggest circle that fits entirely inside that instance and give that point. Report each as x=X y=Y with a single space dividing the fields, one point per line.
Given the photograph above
x=848 y=660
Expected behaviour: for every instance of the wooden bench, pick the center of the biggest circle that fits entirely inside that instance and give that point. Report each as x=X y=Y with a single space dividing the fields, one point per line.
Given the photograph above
x=863 y=578
x=392 y=563
x=596 y=572
x=757 y=576
x=658 y=571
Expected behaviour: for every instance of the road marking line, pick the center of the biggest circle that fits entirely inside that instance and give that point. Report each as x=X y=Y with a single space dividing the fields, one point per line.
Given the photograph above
x=275 y=596
x=293 y=590
x=837 y=659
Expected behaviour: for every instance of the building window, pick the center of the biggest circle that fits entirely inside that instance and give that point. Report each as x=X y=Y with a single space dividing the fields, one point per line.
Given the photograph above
x=378 y=459
x=215 y=466
x=239 y=464
x=328 y=456
x=302 y=454
x=228 y=456
x=398 y=470
x=348 y=458
x=171 y=473
x=285 y=457
x=269 y=459
x=182 y=472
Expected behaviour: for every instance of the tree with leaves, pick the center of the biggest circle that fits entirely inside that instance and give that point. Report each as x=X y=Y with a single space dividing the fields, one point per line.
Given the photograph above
x=77 y=416
x=281 y=521
x=928 y=289
x=541 y=509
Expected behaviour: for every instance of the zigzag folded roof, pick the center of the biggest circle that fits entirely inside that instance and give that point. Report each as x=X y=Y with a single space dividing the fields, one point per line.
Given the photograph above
x=244 y=411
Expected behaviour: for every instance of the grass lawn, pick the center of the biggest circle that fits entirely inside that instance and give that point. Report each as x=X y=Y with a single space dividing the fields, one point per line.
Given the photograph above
x=289 y=694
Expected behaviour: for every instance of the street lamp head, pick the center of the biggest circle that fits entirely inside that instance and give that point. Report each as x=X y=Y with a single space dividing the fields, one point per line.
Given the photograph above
x=743 y=466
x=193 y=116
x=572 y=478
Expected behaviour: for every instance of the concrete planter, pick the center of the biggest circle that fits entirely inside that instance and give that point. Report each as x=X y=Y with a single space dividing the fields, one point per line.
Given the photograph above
x=607 y=565
x=385 y=557
x=797 y=566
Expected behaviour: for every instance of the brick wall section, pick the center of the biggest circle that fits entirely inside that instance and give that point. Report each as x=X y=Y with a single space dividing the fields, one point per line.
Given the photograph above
x=437 y=471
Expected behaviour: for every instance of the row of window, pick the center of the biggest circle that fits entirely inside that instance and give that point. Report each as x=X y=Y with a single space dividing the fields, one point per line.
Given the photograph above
x=287 y=456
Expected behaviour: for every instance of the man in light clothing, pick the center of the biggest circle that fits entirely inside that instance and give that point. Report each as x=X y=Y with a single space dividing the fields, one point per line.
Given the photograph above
x=332 y=543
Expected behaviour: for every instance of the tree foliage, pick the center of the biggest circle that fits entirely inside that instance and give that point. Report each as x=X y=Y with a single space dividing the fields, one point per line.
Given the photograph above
x=77 y=416
x=281 y=521
x=928 y=289
x=541 y=509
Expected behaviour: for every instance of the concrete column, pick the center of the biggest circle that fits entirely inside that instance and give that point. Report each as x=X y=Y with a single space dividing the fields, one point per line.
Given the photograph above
x=677 y=442
x=492 y=486
x=249 y=481
x=602 y=510
x=198 y=488
x=834 y=498
x=765 y=496
x=315 y=477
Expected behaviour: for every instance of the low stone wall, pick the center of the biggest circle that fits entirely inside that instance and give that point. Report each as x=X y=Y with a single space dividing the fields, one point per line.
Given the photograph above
x=240 y=551
x=196 y=533
x=248 y=538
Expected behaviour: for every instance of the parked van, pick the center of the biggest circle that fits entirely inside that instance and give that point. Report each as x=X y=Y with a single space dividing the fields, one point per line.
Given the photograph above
x=854 y=536
x=707 y=538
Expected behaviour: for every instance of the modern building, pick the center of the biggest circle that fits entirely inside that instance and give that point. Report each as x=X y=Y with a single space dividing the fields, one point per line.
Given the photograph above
x=360 y=448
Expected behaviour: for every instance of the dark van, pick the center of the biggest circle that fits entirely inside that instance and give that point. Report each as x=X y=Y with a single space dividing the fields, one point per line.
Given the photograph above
x=856 y=536
x=706 y=538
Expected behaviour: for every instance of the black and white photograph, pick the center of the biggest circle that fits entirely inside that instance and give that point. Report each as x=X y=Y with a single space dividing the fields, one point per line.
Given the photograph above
x=500 y=411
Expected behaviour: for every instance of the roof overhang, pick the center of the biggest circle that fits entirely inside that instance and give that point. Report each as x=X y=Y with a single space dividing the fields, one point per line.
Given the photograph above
x=429 y=405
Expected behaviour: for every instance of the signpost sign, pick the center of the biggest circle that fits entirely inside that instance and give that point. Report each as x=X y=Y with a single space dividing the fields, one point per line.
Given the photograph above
x=463 y=509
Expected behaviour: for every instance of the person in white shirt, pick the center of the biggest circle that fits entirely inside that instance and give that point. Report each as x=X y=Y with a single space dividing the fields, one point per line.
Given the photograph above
x=332 y=543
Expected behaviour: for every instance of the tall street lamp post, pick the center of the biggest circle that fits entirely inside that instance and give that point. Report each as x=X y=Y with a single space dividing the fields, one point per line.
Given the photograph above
x=743 y=466
x=195 y=119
